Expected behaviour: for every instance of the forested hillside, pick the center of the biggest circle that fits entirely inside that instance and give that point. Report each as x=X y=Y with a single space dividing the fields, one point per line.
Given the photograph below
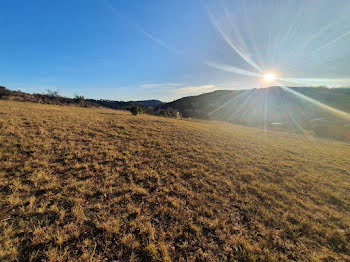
x=318 y=111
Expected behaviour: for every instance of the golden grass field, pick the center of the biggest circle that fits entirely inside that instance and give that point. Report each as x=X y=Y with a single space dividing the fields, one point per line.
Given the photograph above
x=90 y=184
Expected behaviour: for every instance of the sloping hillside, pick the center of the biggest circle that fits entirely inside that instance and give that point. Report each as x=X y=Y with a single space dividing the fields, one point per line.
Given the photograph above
x=53 y=97
x=295 y=109
x=90 y=184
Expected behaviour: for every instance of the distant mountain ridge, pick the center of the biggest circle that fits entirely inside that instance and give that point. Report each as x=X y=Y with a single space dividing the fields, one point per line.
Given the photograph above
x=152 y=102
x=125 y=104
x=54 y=98
x=319 y=111
x=297 y=109
x=200 y=105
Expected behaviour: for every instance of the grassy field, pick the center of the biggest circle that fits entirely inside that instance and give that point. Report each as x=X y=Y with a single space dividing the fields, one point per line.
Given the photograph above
x=87 y=184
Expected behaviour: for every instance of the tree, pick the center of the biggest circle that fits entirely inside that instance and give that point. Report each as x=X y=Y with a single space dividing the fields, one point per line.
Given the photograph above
x=79 y=98
x=4 y=91
x=52 y=94
x=136 y=110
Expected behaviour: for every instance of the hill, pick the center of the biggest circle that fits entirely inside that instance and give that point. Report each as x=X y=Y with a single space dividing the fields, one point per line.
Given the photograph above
x=150 y=103
x=125 y=105
x=294 y=109
x=53 y=97
x=94 y=184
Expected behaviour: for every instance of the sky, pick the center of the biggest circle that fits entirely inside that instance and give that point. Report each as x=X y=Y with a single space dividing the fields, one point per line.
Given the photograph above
x=164 y=49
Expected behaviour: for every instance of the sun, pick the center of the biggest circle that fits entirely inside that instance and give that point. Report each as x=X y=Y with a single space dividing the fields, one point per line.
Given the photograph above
x=269 y=77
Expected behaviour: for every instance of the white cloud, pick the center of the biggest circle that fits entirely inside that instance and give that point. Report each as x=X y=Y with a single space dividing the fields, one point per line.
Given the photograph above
x=160 y=85
x=195 y=89
x=179 y=88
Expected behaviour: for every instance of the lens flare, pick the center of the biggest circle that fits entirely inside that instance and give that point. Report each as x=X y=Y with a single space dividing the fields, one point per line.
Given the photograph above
x=293 y=52
x=269 y=77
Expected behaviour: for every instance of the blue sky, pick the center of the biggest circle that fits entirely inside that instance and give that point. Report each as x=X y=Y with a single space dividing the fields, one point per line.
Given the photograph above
x=131 y=50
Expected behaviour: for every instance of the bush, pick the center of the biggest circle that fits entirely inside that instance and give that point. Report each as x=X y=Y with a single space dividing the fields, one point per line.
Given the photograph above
x=3 y=91
x=79 y=99
x=136 y=110
x=169 y=112
x=52 y=94
x=163 y=112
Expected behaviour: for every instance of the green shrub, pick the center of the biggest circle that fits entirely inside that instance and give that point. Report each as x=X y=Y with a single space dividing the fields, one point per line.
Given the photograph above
x=136 y=110
x=3 y=91
x=79 y=99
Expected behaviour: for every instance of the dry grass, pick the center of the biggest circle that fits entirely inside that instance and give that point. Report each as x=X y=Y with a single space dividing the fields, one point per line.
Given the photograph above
x=86 y=184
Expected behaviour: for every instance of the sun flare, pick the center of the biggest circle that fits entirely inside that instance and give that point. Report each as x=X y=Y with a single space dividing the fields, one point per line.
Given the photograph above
x=269 y=77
